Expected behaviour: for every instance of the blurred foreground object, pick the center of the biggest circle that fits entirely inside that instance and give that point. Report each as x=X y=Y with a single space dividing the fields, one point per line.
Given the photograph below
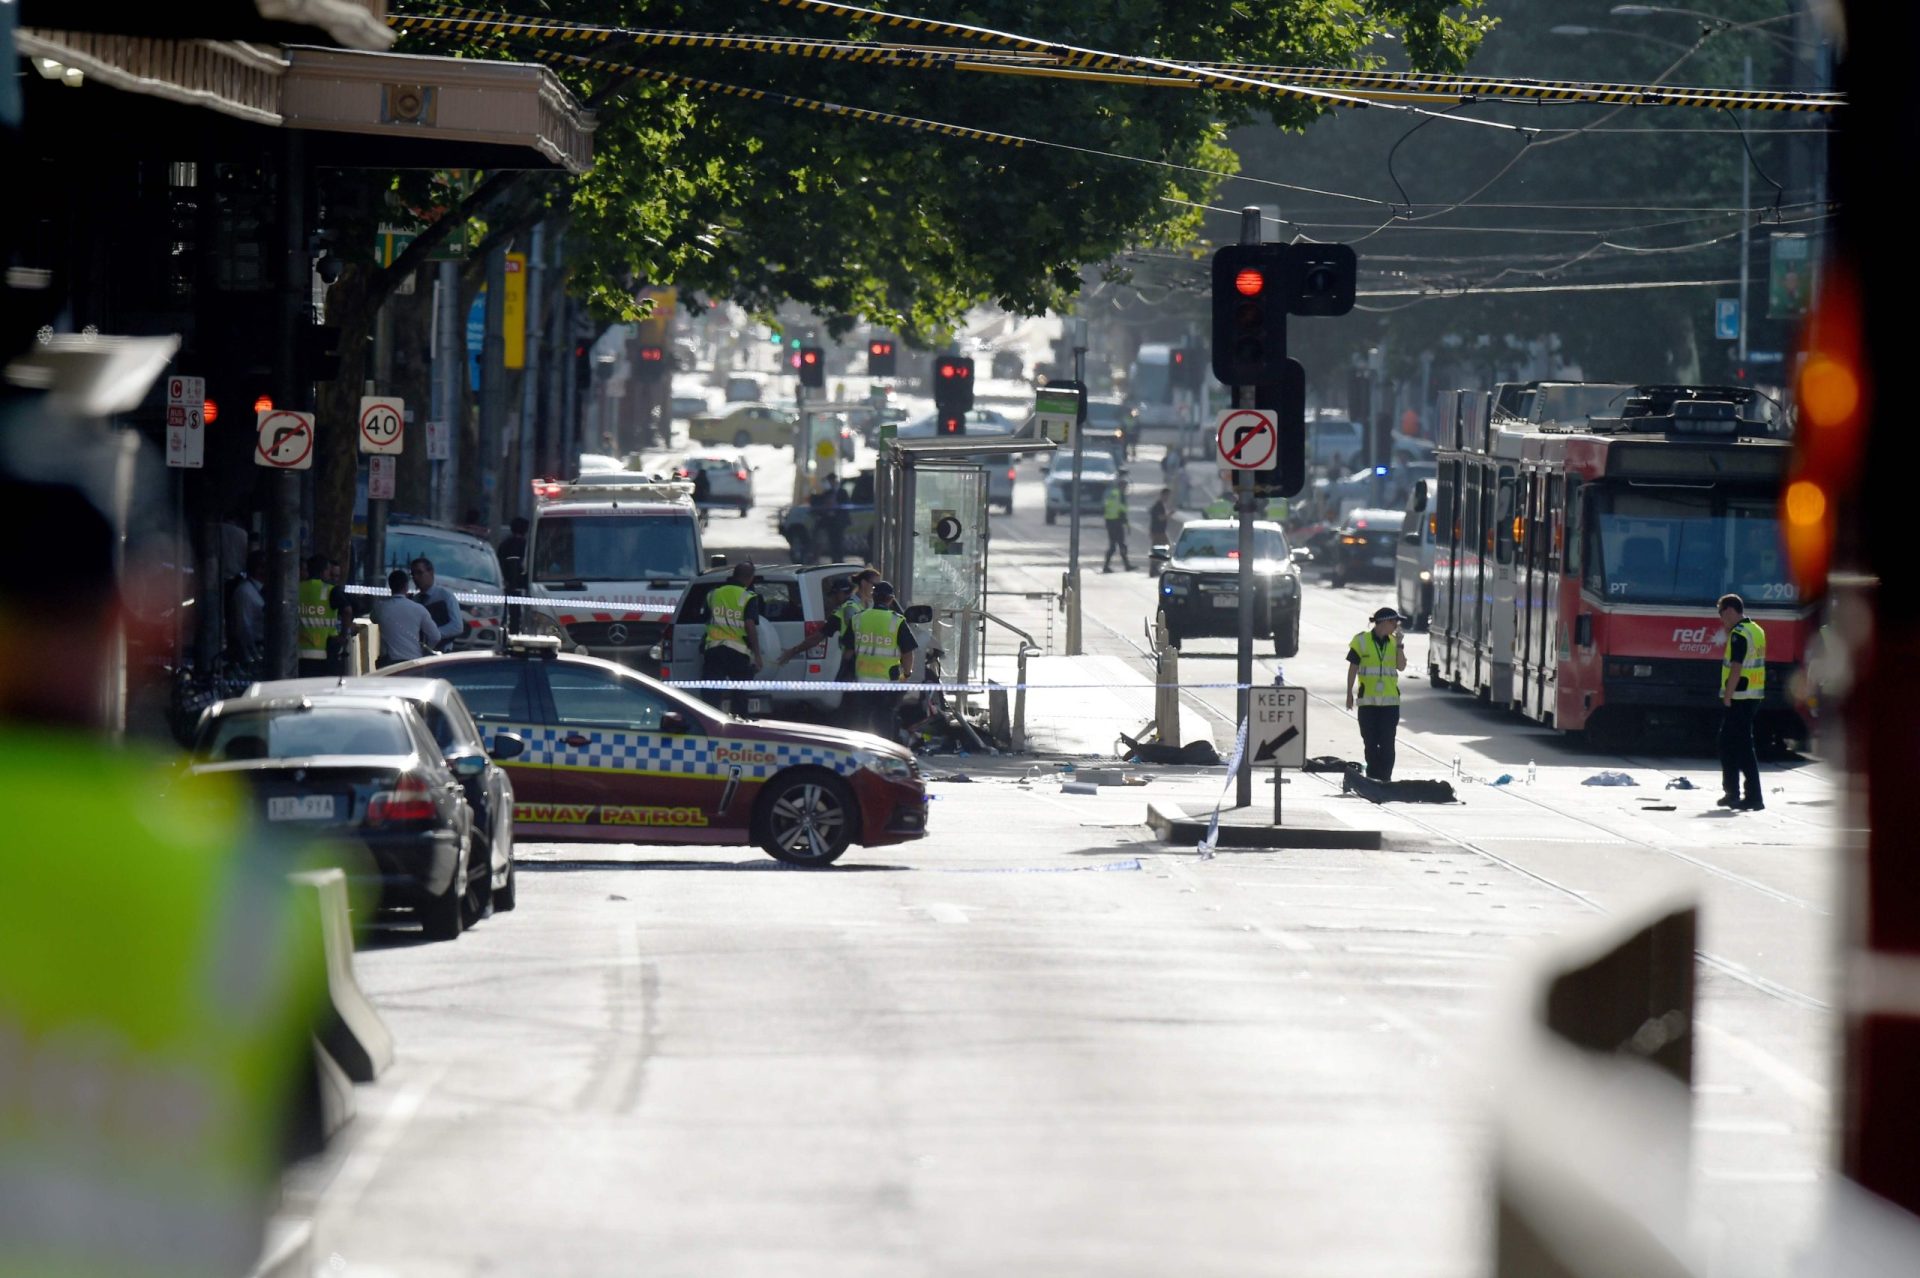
x=155 y=1001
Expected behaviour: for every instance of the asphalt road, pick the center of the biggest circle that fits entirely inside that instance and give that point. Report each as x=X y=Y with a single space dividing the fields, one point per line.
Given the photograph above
x=1036 y=1042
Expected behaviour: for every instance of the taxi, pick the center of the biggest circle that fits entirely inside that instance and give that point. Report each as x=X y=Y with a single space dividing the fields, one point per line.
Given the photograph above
x=614 y=756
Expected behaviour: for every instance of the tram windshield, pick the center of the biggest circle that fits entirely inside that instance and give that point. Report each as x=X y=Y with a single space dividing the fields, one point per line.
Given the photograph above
x=1675 y=545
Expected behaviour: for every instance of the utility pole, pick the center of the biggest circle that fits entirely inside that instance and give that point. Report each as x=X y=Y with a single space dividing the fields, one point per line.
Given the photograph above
x=1746 y=220
x=1075 y=646
x=493 y=387
x=290 y=388
x=1243 y=397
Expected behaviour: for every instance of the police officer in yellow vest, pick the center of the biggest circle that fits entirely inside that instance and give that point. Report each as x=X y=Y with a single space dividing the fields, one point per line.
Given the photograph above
x=1114 y=511
x=1375 y=659
x=318 y=620
x=883 y=648
x=732 y=646
x=154 y=1019
x=1743 y=686
x=1221 y=507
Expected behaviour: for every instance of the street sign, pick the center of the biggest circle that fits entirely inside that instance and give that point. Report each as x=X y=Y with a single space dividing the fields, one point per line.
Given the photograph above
x=1277 y=732
x=381 y=472
x=285 y=440
x=1726 y=318
x=1056 y=407
x=383 y=424
x=513 y=313
x=186 y=429
x=439 y=442
x=1248 y=438
x=825 y=450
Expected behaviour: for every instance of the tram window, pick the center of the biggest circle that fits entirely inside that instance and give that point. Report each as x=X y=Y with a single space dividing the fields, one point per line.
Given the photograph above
x=1557 y=536
x=1574 y=523
x=1470 y=521
x=1445 y=530
x=1687 y=546
x=1503 y=518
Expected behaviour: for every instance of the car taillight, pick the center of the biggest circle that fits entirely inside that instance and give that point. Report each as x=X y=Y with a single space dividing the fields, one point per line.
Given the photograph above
x=1009 y=472
x=411 y=799
x=740 y=475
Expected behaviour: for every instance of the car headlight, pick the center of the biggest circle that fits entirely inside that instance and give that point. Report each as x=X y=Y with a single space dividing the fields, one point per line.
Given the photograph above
x=1426 y=576
x=1174 y=581
x=890 y=767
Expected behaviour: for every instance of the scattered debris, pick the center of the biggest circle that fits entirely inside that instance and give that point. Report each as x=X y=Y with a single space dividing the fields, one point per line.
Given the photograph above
x=1330 y=763
x=1505 y=778
x=1659 y=807
x=1398 y=791
x=1609 y=778
x=1681 y=783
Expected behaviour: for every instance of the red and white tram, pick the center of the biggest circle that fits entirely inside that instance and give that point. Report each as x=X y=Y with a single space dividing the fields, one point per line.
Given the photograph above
x=1583 y=533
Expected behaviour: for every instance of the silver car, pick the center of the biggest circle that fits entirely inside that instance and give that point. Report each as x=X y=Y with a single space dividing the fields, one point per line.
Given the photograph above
x=729 y=478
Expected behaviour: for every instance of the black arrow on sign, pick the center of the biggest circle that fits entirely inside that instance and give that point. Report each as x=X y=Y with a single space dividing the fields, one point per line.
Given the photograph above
x=1270 y=748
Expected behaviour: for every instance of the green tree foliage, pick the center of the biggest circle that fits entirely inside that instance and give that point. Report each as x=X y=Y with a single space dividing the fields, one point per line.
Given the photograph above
x=764 y=203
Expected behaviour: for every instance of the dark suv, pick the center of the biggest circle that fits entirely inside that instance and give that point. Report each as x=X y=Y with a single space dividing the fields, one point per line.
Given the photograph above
x=1363 y=549
x=1200 y=585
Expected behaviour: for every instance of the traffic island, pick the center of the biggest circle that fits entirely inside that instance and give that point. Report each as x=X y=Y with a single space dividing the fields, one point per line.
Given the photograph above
x=1253 y=828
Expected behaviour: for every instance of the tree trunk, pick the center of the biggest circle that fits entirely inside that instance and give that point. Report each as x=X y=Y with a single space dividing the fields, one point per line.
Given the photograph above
x=337 y=420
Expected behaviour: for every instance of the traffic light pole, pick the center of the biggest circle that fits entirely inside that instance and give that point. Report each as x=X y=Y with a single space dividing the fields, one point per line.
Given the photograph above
x=1075 y=647
x=1243 y=397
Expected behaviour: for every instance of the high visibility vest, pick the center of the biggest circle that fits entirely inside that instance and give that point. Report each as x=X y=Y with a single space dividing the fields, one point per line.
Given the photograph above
x=727 y=624
x=317 y=619
x=1219 y=508
x=876 y=645
x=1753 y=667
x=158 y=1016
x=1379 y=669
x=1277 y=510
x=849 y=614
x=1116 y=505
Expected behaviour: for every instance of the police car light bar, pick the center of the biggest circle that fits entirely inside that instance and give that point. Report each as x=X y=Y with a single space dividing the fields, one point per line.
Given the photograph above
x=630 y=485
x=533 y=643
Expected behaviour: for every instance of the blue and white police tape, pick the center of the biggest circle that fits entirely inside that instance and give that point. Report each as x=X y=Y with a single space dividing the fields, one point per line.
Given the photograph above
x=913 y=685
x=1206 y=845
x=668 y=598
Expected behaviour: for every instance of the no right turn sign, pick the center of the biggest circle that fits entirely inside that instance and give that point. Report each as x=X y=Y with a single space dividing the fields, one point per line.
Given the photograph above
x=1248 y=438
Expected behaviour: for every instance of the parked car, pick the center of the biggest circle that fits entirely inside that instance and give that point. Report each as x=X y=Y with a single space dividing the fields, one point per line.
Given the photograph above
x=489 y=791
x=805 y=530
x=1111 y=420
x=1097 y=470
x=1413 y=558
x=745 y=424
x=615 y=756
x=1364 y=548
x=729 y=478
x=363 y=769
x=1200 y=584
x=793 y=608
x=462 y=562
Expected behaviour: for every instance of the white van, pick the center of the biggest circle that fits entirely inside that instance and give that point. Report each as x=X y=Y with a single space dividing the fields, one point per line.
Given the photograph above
x=1413 y=557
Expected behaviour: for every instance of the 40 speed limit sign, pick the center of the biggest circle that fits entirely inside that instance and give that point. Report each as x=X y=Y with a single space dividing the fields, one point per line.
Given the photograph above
x=383 y=424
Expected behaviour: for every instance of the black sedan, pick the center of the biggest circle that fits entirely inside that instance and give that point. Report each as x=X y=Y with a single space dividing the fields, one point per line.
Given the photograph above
x=1363 y=549
x=489 y=790
x=1200 y=585
x=364 y=770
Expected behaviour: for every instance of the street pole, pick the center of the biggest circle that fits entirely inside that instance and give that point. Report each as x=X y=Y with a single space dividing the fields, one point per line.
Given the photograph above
x=1243 y=397
x=1074 y=645
x=1746 y=212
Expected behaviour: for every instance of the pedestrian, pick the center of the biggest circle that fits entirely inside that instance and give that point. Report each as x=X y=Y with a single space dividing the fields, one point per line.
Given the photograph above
x=1375 y=659
x=247 y=614
x=1743 y=687
x=1114 y=511
x=155 y=1018
x=513 y=566
x=439 y=602
x=318 y=620
x=883 y=653
x=407 y=630
x=731 y=649
x=702 y=491
x=1160 y=519
x=1221 y=507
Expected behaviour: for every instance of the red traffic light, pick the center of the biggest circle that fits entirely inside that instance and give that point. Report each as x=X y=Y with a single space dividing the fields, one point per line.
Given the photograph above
x=652 y=354
x=879 y=348
x=1179 y=357
x=263 y=405
x=953 y=424
x=810 y=356
x=209 y=412
x=1249 y=282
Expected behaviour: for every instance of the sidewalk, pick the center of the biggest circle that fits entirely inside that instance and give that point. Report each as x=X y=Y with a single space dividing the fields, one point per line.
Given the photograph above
x=1079 y=706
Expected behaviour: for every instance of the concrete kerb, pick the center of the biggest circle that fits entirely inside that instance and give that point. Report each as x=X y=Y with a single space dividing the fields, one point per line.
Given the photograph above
x=1173 y=825
x=351 y=1030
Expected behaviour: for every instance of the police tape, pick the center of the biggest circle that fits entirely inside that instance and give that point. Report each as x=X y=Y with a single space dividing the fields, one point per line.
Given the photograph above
x=628 y=606
x=1206 y=846
x=904 y=686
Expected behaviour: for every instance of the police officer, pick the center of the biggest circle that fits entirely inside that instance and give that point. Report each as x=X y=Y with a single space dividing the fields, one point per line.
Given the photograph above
x=1743 y=686
x=731 y=649
x=839 y=592
x=318 y=621
x=1375 y=659
x=155 y=1020
x=883 y=647
x=1221 y=507
x=1114 y=511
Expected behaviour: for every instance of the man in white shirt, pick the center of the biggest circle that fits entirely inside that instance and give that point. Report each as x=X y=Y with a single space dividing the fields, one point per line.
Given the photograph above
x=439 y=602
x=407 y=630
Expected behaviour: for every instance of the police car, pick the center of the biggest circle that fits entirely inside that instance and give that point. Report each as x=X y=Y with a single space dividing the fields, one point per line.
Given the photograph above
x=614 y=756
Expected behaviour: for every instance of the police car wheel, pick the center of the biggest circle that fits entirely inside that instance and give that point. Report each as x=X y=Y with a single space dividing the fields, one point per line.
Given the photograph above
x=805 y=818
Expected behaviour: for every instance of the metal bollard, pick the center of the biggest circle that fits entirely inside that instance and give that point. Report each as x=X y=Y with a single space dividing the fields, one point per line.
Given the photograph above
x=1166 y=678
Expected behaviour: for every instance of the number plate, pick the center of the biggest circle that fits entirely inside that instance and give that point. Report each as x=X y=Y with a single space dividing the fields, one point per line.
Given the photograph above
x=1383 y=561
x=1226 y=601
x=300 y=807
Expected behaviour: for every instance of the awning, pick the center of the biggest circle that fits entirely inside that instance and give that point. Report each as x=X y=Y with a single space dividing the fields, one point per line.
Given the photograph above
x=369 y=110
x=352 y=24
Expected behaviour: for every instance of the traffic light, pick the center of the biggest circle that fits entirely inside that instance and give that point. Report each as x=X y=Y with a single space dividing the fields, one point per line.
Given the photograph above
x=1360 y=396
x=653 y=361
x=793 y=354
x=1249 y=314
x=1320 y=279
x=953 y=384
x=1287 y=399
x=880 y=357
x=812 y=365
x=1183 y=368
x=582 y=368
x=953 y=423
